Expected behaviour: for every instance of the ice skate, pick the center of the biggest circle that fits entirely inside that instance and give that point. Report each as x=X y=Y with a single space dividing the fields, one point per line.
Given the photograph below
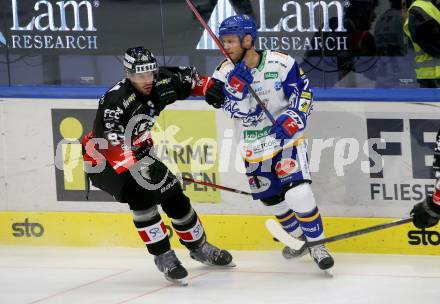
x=290 y=253
x=169 y=264
x=212 y=256
x=323 y=258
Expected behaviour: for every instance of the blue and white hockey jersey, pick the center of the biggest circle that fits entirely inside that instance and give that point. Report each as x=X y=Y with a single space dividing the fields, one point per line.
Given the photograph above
x=282 y=86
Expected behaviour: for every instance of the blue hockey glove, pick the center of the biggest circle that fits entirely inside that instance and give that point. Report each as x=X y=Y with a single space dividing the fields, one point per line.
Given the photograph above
x=285 y=127
x=238 y=81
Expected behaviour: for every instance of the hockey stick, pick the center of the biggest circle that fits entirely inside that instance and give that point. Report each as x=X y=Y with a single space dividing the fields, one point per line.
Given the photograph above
x=222 y=49
x=189 y=180
x=279 y=233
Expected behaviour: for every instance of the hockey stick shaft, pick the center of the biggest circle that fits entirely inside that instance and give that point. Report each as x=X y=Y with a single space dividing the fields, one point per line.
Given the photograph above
x=222 y=49
x=360 y=232
x=190 y=180
x=280 y=234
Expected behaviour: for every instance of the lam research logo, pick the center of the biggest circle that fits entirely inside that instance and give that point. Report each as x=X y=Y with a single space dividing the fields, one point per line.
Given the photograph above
x=52 y=25
x=297 y=28
x=222 y=10
x=2 y=40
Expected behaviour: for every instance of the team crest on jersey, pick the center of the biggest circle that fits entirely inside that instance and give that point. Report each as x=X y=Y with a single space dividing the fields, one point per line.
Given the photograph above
x=286 y=167
x=278 y=85
x=252 y=118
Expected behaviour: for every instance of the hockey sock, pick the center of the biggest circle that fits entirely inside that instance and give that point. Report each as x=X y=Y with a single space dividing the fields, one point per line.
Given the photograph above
x=311 y=224
x=152 y=230
x=290 y=223
x=301 y=200
x=285 y=216
x=190 y=230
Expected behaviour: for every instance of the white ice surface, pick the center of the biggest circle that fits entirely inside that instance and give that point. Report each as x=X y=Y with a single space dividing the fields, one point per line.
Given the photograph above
x=124 y=275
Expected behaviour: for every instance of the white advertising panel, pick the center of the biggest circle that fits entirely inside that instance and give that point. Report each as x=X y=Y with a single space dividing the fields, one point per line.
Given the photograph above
x=369 y=159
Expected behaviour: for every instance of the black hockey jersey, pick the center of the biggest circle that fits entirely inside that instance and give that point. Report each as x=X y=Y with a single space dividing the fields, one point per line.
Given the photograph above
x=125 y=117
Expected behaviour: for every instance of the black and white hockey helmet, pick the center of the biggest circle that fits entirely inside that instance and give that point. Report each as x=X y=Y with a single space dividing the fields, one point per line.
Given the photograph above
x=139 y=60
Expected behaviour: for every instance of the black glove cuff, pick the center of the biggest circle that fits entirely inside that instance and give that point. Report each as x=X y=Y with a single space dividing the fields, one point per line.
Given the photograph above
x=215 y=95
x=432 y=209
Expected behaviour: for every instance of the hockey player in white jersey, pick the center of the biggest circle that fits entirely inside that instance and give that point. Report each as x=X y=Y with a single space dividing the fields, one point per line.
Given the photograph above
x=275 y=155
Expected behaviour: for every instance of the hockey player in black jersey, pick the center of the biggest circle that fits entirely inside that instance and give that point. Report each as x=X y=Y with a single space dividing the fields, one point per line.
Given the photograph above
x=120 y=150
x=427 y=213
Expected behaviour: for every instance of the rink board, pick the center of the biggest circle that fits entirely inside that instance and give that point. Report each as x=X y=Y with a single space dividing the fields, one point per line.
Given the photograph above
x=42 y=181
x=41 y=168
x=238 y=232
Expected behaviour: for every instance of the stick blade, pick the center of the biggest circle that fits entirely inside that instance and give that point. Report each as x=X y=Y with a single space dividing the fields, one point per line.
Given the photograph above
x=280 y=234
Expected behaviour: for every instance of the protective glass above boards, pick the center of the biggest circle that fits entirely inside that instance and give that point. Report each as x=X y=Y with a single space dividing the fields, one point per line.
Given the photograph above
x=79 y=27
x=75 y=42
x=339 y=43
x=351 y=43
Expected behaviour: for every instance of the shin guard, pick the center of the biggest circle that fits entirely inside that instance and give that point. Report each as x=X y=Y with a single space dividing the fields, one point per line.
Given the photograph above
x=152 y=231
x=190 y=230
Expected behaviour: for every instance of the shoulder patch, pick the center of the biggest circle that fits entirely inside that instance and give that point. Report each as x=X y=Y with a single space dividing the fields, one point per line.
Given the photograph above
x=222 y=64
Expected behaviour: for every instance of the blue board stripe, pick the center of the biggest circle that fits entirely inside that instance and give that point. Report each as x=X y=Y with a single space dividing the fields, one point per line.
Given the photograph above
x=373 y=95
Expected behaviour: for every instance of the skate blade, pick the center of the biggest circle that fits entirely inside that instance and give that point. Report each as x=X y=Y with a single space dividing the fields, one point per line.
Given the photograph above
x=230 y=265
x=289 y=256
x=178 y=282
x=328 y=273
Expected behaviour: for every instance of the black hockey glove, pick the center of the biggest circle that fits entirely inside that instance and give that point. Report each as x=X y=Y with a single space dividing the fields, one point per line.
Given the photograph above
x=182 y=78
x=155 y=172
x=425 y=214
x=164 y=93
x=214 y=96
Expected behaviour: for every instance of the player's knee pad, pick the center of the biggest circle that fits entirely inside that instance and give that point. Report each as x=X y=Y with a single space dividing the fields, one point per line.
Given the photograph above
x=284 y=215
x=145 y=215
x=277 y=207
x=186 y=219
x=300 y=198
x=177 y=205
